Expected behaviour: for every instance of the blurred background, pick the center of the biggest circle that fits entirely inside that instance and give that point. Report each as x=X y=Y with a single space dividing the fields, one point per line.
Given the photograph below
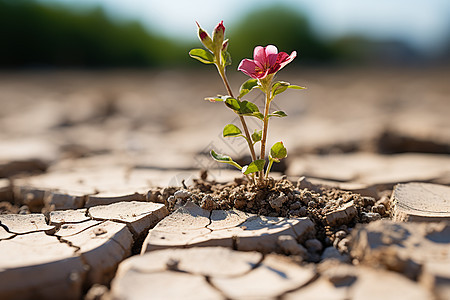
x=140 y=33
x=92 y=82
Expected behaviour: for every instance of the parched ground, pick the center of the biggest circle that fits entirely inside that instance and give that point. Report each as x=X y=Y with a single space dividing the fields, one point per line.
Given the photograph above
x=126 y=150
x=158 y=119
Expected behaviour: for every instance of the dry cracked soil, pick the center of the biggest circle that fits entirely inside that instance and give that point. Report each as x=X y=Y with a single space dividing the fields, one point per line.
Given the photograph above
x=107 y=190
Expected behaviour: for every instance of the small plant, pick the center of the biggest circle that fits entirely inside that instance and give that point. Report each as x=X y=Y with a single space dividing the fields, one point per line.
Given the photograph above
x=267 y=61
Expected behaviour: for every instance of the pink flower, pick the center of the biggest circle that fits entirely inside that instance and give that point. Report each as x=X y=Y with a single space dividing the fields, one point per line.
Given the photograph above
x=266 y=60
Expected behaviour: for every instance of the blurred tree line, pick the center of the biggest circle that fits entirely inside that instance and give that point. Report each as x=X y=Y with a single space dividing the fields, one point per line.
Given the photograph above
x=38 y=35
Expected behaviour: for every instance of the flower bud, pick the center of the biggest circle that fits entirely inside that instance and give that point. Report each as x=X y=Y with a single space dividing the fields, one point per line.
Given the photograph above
x=205 y=38
x=218 y=35
x=225 y=45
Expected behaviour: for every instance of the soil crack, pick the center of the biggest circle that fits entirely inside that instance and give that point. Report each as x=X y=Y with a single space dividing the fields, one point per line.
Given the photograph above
x=69 y=243
x=304 y=285
x=81 y=231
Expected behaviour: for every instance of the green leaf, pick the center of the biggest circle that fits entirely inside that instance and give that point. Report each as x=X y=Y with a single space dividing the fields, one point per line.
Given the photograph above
x=202 y=55
x=226 y=58
x=231 y=130
x=254 y=166
x=234 y=104
x=281 y=86
x=247 y=108
x=251 y=110
x=278 y=151
x=278 y=113
x=296 y=87
x=218 y=98
x=257 y=115
x=214 y=99
x=224 y=159
x=221 y=157
x=247 y=86
x=257 y=136
x=244 y=108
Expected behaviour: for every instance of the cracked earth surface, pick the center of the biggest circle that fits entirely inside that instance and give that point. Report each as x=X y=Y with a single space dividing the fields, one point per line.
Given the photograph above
x=91 y=208
x=70 y=250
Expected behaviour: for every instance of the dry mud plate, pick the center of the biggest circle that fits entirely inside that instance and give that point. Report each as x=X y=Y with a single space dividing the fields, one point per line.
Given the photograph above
x=92 y=208
x=77 y=248
x=421 y=202
x=306 y=246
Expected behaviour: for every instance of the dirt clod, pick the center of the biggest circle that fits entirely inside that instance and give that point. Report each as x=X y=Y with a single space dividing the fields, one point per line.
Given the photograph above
x=290 y=246
x=331 y=209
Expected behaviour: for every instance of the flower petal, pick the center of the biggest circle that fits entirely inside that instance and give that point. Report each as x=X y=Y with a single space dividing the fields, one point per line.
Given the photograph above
x=259 y=55
x=287 y=59
x=282 y=56
x=271 y=55
x=282 y=59
x=248 y=67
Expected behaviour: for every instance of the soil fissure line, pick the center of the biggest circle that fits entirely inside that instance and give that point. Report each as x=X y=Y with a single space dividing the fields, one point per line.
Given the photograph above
x=138 y=239
x=129 y=227
x=255 y=266
x=302 y=286
x=46 y=231
x=209 y=281
x=9 y=238
x=69 y=243
x=6 y=228
x=83 y=230
x=206 y=226
x=210 y=221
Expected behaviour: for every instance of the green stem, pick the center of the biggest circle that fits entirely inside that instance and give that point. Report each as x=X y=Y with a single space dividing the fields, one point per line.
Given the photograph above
x=269 y=167
x=265 y=127
x=234 y=164
x=241 y=118
x=225 y=80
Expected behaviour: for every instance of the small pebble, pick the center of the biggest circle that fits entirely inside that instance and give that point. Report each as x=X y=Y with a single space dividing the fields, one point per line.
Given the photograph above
x=314 y=245
x=278 y=202
x=24 y=210
x=368 y=201
x=154 y=195
x=182 y=194
x=370 y=217
x=96 y=292
x=302 y=212
x=208 y=203
x=295 y=205
x=312 y=204
x=172 y=264
x=379 y=208
x=340 y=234
x=333 y=253
x=171 y=200
x=289 y=246
x=343 y=245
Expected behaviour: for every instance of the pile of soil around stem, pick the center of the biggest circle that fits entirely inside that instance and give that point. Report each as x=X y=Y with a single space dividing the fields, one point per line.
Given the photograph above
x=284 y=198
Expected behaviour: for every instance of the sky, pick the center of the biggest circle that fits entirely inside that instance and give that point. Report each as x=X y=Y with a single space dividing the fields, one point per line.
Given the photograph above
x=424 y=24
